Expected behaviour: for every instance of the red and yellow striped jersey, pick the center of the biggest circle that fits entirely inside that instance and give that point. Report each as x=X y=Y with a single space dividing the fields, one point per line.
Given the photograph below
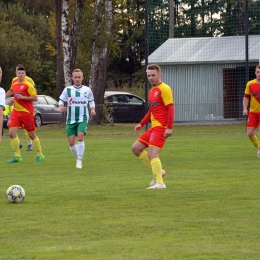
x=26 y=89
x=159 y=97
x=253 y=91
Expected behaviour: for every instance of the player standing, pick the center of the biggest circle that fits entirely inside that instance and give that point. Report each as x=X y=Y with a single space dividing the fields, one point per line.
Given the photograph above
x=2 y=106
x=77 y=98
x=23 y=115
x=252 y=92
x=161 y=115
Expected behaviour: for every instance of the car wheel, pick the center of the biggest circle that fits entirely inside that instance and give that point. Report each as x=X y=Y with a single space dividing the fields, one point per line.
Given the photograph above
x=38 y=120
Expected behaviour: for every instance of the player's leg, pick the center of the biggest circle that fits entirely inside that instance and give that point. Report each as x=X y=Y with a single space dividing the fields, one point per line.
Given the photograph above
x=252 y=124
x=8 y=125
x=37 y=144
x=81 y=132
x=29 y=141
x=29 y=126
x=71 y=131
x=138 y=149
x=153 y=154
x=156 y=143
x=14 y=125
x=15 y=145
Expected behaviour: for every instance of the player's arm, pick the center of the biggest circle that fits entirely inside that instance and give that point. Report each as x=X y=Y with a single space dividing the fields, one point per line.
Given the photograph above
x=61 y=106
x=170 y=115
x=245 y=104
x=143 y=122
x=92 y=108
x=62 y=100
x=9 y=93
x=29 y=98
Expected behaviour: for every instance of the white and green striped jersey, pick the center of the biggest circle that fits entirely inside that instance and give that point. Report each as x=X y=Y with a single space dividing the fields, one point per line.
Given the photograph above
x=77 y=99
x=2 y=98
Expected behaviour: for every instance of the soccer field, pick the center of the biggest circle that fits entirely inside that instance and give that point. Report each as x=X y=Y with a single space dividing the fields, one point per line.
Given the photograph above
x=210 y=209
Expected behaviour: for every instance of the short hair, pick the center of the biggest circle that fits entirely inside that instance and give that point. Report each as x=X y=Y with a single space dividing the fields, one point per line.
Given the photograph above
x=77 y=70
x=154 y=67
x=21 y=68
x=257 y=67
x=19 y=65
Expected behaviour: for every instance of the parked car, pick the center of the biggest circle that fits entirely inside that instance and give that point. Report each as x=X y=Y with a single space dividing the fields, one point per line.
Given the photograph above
x=46 y=111
x=123 y=107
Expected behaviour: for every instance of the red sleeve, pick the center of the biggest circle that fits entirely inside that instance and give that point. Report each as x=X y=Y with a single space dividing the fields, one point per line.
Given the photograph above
x=170 y=116
x=246 y=95
x=146 y=118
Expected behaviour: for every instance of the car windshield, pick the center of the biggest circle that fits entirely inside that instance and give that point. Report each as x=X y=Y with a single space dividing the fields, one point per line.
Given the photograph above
x=134 y=100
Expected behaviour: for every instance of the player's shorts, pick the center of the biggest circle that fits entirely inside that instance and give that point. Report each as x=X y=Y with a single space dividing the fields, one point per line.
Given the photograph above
x=253 y=119
x=73 y=129
x=153 y=137
x=22 y=119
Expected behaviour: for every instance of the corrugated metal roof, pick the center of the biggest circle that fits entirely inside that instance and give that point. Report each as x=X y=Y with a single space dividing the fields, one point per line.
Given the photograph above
x=206 y=50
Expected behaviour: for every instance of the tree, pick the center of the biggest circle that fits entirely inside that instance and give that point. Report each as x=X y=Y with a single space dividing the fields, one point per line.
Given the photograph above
x=12 y=52
x=128 y=29
x=69 y=37
x=98 y=70
x=59 y=56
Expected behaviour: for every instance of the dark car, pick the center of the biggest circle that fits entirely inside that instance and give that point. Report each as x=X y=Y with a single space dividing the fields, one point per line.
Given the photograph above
x=46 y=111
x=123 y=107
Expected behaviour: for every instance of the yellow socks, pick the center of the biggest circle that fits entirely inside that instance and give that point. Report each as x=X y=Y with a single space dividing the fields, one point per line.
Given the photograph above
x=254 y=141
x=16 y=146
x=155 y=164
x=27 y=137
x=37 y=145
x=144 y=158
x=157 y=170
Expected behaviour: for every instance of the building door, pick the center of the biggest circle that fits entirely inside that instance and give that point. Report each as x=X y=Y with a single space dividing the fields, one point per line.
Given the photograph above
x=230 y=93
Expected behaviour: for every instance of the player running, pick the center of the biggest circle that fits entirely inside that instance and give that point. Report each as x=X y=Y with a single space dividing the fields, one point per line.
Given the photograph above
x=77 y=98
x=23 y=115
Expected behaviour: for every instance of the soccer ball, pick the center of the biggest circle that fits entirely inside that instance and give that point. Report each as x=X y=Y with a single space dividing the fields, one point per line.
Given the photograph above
x=15 y=194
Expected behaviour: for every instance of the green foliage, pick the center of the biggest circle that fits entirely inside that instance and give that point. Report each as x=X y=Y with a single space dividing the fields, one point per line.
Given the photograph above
x=48 y=80
x=17 y=46
x=23 y=38
x=209 y=210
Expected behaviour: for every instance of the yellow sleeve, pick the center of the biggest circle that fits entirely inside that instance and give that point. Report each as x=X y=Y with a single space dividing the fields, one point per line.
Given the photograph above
x=30 y=80
x=13 y=82
x=167 y=94
x=31 y=89
x=247 y=90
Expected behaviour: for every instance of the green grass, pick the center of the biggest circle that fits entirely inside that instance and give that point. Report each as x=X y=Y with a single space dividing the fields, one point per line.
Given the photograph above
x=210 y=209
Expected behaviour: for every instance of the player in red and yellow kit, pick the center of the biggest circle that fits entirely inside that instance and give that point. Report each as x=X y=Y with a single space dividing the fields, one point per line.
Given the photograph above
x=161 y=115
x=252 y=93
x=23 y=115
x=15 y=80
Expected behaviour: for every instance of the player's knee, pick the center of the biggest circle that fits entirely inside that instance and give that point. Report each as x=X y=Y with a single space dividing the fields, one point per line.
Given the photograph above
x=135 y=150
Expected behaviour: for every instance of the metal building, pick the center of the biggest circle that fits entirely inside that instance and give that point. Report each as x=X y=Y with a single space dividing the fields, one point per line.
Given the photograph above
x=207 y=75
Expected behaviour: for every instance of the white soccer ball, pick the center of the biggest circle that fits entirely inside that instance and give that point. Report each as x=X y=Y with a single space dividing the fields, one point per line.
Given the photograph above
x=15 y=194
